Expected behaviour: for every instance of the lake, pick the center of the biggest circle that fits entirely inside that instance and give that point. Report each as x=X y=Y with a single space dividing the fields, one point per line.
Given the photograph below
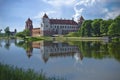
x=77 y=60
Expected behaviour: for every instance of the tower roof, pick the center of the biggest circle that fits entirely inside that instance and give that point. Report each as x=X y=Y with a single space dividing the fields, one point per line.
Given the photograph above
x=29 y=20
x=81 y=18
x=45 y=16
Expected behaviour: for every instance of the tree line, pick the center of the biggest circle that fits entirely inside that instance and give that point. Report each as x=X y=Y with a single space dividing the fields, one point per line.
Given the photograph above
x=99 y=27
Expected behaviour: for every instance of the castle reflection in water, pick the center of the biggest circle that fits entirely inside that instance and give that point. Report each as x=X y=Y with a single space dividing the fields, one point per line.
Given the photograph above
x=50 y=49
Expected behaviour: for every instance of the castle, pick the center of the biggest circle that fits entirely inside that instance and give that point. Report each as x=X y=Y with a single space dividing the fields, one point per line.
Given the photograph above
x=50 y=27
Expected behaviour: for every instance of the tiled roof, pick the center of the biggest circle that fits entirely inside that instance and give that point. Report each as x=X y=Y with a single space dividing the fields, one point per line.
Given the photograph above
x=60 y=21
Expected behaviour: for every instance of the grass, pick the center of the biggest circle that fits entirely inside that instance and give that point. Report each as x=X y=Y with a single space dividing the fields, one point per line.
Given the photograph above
x=11 y=73
x=80 y=38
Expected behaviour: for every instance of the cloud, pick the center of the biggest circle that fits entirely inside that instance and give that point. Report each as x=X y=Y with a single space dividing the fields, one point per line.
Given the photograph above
x=40 y=14
x=112 y=14
x=87 y=8
x=96 y=9
x=59 y=2
x=81 y=6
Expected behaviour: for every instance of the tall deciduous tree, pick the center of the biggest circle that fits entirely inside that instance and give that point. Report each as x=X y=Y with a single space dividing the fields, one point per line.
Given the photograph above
x=96 y=27
x=86 y=28
x=0 y=30
x=114 y=28
x=7 y=31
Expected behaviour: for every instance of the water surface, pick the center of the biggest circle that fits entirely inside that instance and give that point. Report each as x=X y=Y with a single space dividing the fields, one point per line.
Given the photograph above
x=69 y=60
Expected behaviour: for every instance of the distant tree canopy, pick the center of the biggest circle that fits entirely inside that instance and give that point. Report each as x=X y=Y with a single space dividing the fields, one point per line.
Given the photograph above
x=114 y=28
x=23 y=34
x=99 y=27
x=86 y=28
x=7 y=31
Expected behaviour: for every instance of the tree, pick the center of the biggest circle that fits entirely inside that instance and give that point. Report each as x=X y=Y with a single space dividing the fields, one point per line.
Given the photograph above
x=7 y=31
x=86 y=28
x=96 y=27
x=104 y=25
x=26 y=32
x=23 y=34
x=20 y=34
x=0 y=30
x=114 y=28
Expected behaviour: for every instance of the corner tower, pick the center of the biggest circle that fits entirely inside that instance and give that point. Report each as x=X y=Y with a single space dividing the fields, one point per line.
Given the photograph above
x=80 y=21
x=45 y=25
x=29 y=25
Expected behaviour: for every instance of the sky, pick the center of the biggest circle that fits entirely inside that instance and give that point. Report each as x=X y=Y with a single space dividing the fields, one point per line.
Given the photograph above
x=14 y=13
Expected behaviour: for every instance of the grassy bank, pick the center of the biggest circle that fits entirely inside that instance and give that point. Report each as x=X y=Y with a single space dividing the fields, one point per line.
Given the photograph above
x=10 y=73
x=80 y=38
x=38 y=38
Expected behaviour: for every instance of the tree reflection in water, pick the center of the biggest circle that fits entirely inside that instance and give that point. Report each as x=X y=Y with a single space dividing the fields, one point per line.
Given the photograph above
x=78 y=50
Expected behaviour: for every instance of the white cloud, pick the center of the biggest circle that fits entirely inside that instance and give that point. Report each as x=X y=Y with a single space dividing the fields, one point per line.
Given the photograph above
x=91 y=8
x=40 y=14
x=80 y=6
x=106 y=1
x=59 y=2
x=112 y=14
x=95 y=8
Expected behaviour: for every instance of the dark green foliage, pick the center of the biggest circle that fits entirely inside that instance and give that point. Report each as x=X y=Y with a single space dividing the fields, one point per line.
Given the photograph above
x=86 y=28
x=7 y=31
x=99 y=27
x=20 y=34
x=114 y=28
x=11 y=73
x=96 y=27
x=26 y=32
x=104 y=25
x=98 y=50
x=23 y=34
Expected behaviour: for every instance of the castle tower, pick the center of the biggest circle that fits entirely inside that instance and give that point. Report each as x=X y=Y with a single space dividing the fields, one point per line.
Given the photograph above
x=45 y=25
x=80 y=21
x=15 y=31
x=29 y=25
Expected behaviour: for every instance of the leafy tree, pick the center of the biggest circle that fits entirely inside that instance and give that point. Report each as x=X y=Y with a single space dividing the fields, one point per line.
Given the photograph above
x=26 y=32
x=20 y=34
x=23 y=34
x=87 y=28
x=114 y=28
x=104 y=26
x=96 y=27
x=7 y=31
x=0 y=30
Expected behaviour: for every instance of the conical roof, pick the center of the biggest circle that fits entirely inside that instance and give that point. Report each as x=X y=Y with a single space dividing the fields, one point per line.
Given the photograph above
x=45 y=16
x=29 y=20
